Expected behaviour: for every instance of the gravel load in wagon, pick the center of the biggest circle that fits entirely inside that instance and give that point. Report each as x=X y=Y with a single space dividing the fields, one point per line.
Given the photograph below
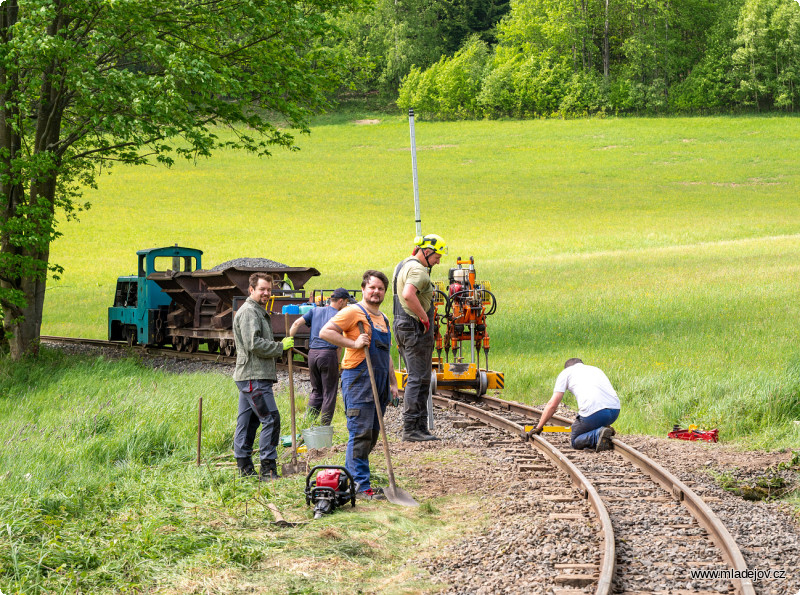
x=250 y=263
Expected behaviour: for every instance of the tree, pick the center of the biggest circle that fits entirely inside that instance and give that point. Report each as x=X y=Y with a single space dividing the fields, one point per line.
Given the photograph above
x=385 y=41
x=85 y=84
x=767 y=63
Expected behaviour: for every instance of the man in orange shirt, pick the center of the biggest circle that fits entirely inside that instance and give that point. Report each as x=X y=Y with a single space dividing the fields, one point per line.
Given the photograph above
x=362 y=416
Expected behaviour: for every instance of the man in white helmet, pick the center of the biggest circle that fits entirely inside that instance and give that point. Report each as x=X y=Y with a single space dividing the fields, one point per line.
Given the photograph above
x=413 y=317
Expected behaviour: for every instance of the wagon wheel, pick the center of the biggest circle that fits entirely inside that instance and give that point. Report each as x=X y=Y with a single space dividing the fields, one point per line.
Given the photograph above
x=229 y=348
x=179 y=344
x=213 y=345
x=130 y=335
x=192 y=345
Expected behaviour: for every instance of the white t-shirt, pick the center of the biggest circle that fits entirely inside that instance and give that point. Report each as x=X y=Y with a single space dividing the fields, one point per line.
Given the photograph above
x=591 y=388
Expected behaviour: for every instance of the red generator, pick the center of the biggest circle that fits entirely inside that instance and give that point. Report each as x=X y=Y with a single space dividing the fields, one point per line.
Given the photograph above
x=333 y=486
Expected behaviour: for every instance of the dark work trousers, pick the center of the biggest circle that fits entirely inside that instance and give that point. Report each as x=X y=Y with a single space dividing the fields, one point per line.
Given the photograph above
x=363 y=425
x=416 y=348
x=323 y=367
x=257 y=406
x=586 y=430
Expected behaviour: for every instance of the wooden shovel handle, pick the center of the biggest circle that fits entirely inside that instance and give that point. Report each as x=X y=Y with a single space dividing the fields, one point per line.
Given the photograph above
x=379 y=411
x=291 y=397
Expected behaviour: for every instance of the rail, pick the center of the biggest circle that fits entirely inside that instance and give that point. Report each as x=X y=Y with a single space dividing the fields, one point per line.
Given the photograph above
x=706 y=517
x=700 y=511
x=585 y=487
x=216 y=358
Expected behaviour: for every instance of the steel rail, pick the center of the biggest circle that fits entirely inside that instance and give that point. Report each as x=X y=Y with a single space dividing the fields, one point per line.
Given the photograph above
x=704 y=515
x=216 y=358
x=697 y=507
x=585 y=487
x=512 y=406
x=197 y=355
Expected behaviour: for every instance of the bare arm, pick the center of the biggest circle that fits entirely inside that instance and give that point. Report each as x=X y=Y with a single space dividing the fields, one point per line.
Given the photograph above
x=332 y=333
x=296 y=326
x=550 y=409
x=412 y=301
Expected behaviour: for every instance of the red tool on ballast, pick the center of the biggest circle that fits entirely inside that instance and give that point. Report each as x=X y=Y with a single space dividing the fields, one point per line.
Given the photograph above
x=693 y=434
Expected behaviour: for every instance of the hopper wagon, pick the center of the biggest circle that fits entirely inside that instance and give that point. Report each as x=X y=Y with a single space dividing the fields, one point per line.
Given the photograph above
x=172 y=300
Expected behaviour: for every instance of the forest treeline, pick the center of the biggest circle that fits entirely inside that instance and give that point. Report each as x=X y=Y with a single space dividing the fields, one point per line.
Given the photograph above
x=453 y=59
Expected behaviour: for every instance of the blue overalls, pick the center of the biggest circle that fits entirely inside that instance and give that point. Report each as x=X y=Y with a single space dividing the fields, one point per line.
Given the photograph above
x=362 y=418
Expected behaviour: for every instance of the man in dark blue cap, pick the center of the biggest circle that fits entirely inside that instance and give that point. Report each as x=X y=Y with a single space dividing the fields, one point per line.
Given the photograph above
x=323 y=357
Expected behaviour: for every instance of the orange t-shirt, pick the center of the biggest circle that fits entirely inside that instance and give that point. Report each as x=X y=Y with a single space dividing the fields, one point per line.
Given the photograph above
x=347 y=320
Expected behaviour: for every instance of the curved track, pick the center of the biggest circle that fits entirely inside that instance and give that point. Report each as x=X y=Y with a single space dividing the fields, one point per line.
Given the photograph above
x=620 y=498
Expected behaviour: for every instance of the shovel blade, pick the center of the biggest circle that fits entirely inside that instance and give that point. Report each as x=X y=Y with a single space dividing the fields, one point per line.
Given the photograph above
x=292 y=469
x=399 y=496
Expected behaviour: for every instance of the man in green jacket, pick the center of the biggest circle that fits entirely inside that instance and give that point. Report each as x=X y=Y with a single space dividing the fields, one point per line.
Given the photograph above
x=255 y=374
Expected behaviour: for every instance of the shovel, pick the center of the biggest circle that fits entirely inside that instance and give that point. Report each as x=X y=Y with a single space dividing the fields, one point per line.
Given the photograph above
x=279 y=520
x=291 y=468
x=393 y=494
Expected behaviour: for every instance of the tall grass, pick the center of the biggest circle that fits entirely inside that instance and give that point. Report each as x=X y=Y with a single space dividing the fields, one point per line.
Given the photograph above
x=99 y=493
x=658 y=249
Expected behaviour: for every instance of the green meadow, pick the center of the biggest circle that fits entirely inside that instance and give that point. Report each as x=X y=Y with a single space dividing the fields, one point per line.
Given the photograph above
x=665 y=251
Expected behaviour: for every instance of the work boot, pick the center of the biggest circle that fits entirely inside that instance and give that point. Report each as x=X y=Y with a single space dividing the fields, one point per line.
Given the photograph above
x=269 y=470
x=370 y=494
x=604 y=439
x=411 y=433
x=422 y=429
x=245 y=465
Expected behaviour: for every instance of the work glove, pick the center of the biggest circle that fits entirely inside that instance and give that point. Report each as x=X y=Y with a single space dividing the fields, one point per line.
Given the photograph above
x=288 y=343
x=394 y=401
x=534 y=432
x=427 y=325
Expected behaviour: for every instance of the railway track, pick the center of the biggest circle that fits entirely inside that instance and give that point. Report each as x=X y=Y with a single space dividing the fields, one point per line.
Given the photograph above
x=204 y=356
x=654 y=528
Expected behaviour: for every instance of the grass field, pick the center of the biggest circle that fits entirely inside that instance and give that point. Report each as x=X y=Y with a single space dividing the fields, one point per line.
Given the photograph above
x=663 y=250
x=666 y=251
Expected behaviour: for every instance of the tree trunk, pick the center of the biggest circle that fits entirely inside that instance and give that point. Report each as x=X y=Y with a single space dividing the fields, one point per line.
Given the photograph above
x=24 y=306
x=24 y=325
x=605 y=46
x=584 y=52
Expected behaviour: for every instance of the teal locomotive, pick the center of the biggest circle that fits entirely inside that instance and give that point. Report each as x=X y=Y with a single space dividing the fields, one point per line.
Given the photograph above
x=172 y=300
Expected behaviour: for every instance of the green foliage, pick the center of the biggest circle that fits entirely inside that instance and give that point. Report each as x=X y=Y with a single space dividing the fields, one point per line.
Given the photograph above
x=767 y=61
x=450 y=88
x=768 y=486
x=388 y=38
x=711 y=83
x=555 y=57
x=90 y=83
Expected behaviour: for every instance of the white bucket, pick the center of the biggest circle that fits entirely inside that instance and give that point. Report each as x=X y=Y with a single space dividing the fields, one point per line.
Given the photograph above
x=318 y=437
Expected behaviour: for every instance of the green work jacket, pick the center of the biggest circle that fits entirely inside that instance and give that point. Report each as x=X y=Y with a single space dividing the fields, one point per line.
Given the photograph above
x=256 y=350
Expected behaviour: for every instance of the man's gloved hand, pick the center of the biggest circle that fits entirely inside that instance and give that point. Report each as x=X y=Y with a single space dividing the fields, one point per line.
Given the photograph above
x=534 y=432
x=394 y=401
x=288 y=343
x=427 y=325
